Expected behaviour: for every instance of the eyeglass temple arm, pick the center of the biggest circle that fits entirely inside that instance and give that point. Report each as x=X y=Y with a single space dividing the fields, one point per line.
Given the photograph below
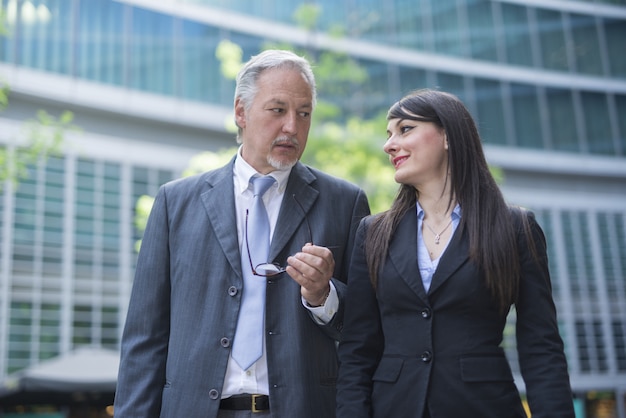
x=306 y=218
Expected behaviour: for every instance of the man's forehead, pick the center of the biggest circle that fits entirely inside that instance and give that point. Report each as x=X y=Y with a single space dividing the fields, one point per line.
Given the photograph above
x=294 y=101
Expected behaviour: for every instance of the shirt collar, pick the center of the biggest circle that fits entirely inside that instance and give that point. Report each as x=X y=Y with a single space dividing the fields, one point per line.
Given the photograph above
x=243 y=172
x=456 y=212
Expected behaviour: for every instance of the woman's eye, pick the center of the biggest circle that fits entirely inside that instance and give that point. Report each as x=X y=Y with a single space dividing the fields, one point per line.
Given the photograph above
x=405 y=129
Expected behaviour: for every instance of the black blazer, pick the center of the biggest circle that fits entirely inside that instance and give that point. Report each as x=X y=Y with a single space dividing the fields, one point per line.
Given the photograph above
x=403 y=350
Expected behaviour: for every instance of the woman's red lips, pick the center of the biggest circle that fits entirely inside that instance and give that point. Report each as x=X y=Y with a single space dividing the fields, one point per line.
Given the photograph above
x=398 y=160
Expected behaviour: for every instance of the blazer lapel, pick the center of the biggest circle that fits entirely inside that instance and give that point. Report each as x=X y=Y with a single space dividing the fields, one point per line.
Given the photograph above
x=403 y=254
x=291 y=214
x=453 y=257
x=219 y=202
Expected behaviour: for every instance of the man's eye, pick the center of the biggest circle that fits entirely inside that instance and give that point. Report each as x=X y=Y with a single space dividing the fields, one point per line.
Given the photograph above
x=277 y=110
x=305 y=114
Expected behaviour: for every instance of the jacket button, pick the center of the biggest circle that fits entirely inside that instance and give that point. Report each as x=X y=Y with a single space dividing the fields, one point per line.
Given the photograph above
x=225 y=342
x=426 y=313
x=232 y=291
x=214 y=394
x=426 y=356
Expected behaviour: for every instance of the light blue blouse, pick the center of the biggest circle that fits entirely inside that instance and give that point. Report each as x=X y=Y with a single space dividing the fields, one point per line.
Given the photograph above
x=426 y=265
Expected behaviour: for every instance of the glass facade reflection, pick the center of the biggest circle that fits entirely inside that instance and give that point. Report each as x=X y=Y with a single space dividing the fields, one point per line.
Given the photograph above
x=69 y=225
x=168 y=54
x=546 y=82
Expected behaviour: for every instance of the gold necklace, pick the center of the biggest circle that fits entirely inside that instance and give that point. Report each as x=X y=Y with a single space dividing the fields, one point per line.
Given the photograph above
x=438 y=235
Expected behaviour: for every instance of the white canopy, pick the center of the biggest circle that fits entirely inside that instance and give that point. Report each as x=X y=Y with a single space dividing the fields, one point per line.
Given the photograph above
x=80 y=375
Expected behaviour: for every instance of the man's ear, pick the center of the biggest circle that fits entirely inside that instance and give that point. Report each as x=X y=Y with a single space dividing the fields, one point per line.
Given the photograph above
x=240 y=114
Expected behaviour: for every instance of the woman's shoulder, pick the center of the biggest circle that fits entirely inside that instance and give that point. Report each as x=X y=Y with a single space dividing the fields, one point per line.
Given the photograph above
x=521 y=215
x=526 y=225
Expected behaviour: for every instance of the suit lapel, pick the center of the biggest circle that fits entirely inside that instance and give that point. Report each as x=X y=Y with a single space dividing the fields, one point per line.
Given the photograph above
x=291 y=215
x=453 y=257
x=219 y=202
x=403 y=254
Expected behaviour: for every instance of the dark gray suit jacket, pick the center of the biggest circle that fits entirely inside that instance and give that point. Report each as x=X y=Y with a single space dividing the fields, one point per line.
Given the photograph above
x=187 y=292
x=403 y=349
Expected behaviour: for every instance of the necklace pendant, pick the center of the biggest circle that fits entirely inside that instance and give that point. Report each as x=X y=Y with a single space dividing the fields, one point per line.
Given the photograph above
x=438 y=235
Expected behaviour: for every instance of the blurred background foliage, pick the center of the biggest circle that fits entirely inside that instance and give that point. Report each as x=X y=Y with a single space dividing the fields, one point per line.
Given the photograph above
x=350 y=150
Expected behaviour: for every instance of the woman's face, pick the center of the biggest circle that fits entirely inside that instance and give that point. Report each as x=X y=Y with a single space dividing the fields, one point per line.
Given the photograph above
x=418 y=150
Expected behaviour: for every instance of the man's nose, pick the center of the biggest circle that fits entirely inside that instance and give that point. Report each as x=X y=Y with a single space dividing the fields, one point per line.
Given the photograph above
x=290 y=123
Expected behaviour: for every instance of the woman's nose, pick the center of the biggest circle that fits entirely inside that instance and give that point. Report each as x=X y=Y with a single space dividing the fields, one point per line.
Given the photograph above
x=390 y=146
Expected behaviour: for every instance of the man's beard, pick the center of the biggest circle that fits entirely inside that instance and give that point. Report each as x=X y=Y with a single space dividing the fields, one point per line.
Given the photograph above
x=283 y=165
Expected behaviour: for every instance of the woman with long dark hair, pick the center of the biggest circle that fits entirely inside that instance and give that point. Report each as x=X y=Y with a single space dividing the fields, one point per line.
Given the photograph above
x=432 y=281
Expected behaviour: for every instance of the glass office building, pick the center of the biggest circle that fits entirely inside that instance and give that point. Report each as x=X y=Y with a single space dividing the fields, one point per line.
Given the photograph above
x=546 y=81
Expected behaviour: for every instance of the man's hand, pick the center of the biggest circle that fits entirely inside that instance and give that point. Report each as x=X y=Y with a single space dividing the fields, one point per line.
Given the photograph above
x=312 y=269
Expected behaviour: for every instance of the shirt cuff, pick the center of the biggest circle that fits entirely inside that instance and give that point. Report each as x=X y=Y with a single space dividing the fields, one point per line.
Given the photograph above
x=324 y=314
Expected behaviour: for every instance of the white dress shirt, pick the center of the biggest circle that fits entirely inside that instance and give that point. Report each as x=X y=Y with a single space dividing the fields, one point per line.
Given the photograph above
x=255 y=379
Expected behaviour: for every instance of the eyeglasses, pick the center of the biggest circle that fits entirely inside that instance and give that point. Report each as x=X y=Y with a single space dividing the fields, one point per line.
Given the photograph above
x=272 y=269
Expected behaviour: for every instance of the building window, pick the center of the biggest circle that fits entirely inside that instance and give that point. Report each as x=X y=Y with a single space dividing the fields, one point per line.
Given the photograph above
x=562 y=115
x=517 y=45
x=554 y=53
x=586 y=51
x=526 y=116
x=615 y=31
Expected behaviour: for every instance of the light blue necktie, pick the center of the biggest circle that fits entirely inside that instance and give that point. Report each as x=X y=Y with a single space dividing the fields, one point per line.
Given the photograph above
x=248 y=344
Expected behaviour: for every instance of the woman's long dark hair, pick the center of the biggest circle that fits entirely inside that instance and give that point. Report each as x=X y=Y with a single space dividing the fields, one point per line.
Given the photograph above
x=485 y=215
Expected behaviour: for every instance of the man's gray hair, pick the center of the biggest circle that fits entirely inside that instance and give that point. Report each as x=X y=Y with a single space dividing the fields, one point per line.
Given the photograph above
x=246 y=88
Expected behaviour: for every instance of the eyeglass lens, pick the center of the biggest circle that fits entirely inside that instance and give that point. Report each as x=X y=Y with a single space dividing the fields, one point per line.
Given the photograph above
x=271 y=269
